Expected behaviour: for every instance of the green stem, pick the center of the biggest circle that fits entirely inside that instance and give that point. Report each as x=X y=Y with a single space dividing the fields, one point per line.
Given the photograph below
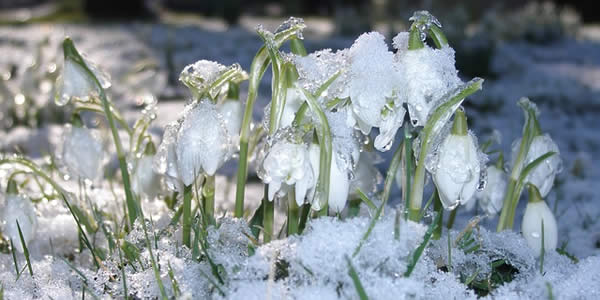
x=435 y=122
x=268 y=217
x=71 y=52
x=408 y=168
x=187 y=214
x=293 y=214
x=506 y=206
x=257 y=69
x=208 y=197
x=451 y=218
x=439 y=208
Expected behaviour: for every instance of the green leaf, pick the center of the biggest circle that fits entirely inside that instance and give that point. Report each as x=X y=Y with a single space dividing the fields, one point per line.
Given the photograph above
x=360 y=290
x=416 y=255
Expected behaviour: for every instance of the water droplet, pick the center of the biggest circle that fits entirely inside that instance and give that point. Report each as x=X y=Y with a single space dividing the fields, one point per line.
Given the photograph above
x=535 y=235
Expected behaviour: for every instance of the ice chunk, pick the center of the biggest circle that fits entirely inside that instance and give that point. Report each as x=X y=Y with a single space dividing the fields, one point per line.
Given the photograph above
x=366 y=176
x=165 y=160
x=430 y=74
x=81 y=153
x=18 y=208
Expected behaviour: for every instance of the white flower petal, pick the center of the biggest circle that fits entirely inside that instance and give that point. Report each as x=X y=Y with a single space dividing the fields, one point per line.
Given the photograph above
x=457 y=175
x=531 y=227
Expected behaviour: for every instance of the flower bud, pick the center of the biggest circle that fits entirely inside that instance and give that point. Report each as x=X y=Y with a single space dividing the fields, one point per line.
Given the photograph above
x=82 y=153
x=18 y=208
x=144 y=180
x=492 y=196
x=287 y=164
x=538 y=214
x=457 y=173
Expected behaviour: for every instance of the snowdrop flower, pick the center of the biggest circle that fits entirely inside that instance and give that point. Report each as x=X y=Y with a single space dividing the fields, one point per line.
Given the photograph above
x=339 y=183
x=492 y=196
x=232 y=112
x=537 y=213
x=457 y=173
x=144 y=180
x=196 y=144
x=366 y=176
x=288 y=164
x=165 y=160
x=373 y=83
x=318 y=67
x=82 y=153
x=18 y=208
x=293 y=101
x=201 y=77
x=430 y=74
x=543 y=175
x=75 y=82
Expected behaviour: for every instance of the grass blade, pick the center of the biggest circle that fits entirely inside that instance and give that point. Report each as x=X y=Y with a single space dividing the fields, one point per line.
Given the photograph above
x=417 y=253
x=25 y=250
x=362 y=295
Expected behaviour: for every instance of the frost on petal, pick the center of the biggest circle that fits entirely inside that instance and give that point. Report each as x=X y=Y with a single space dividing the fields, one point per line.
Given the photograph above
x=388 y=128
x=430 y=74
x=531 y=227
x=492 y=196
x=144 y=180
x=543 y=175
x=287 y=163
x=75 y=82
x=293 y=101
x=201 y=74
x=81 y=153
x=339 y=185
x=165 y=160
x=232 y=112
x=367 y=176
x=18 y=208
x=203 y=143
x=373 y=77
x=318 y=67
x=457 y=174
x=344 y=141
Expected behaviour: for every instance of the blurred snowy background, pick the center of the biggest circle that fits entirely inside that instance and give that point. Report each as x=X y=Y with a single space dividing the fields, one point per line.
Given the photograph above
x=547 y=51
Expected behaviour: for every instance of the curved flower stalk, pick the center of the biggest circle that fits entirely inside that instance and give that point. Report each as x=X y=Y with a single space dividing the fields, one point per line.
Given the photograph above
x=435 y=123
x=82 y=153
x=539 y=226
x=95 y=84
x=18 y=208
x=80 y=82
x=543 y=175
x=457 y=172
x=289 y=30
x=210 y=79
x=528 y=163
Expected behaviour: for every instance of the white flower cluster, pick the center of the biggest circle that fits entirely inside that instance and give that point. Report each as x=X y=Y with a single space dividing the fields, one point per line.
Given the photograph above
x=378 y=82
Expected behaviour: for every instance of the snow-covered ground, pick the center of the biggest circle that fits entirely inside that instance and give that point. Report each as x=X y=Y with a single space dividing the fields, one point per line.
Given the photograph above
x=563 y=78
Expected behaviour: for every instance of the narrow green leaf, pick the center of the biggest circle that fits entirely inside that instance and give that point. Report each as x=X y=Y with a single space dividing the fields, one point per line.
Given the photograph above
x=360 y=290
x=417 y=253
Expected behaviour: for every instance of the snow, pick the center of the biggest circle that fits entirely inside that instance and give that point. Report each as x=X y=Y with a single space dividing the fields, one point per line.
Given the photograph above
x=430 y=75
x=561 y=77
